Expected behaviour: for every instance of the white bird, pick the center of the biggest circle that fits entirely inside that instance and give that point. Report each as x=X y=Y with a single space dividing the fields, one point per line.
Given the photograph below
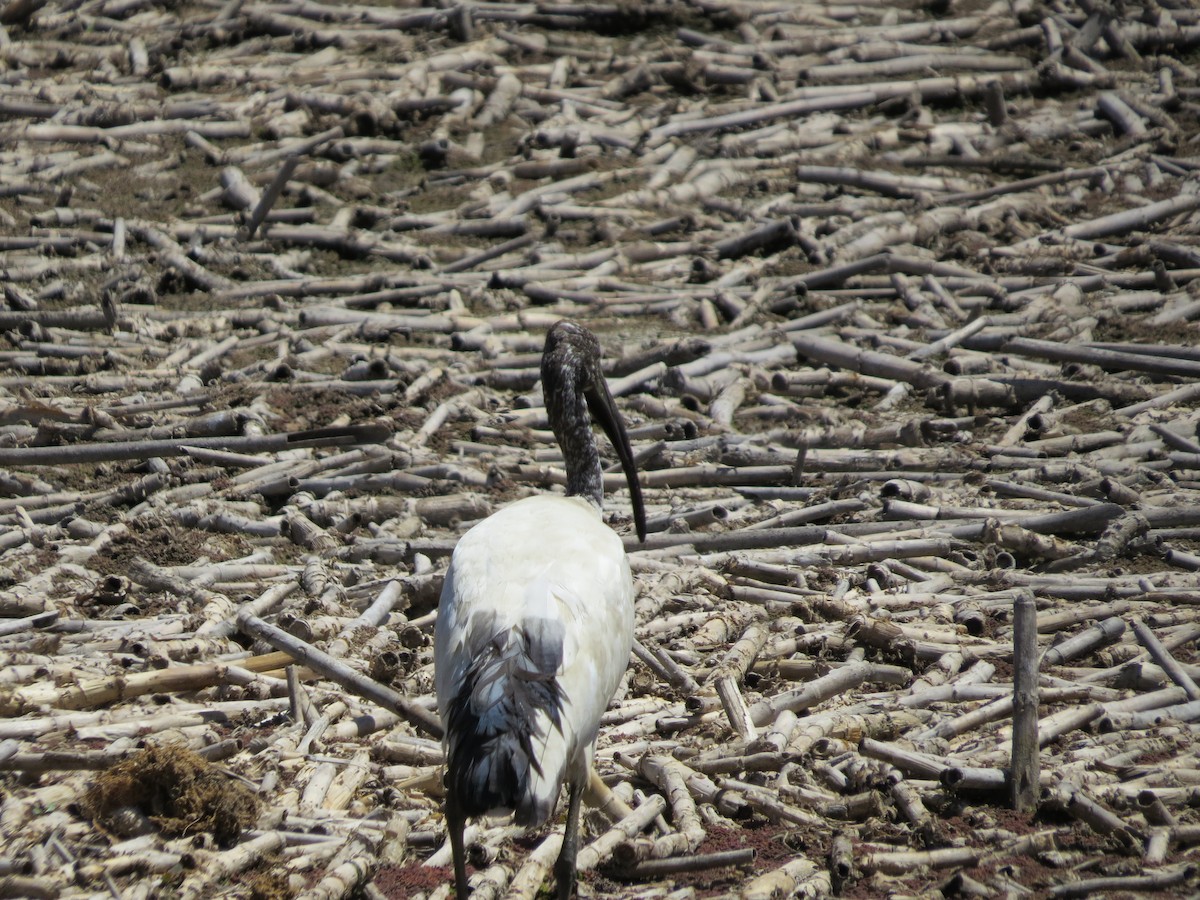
x=535 y=625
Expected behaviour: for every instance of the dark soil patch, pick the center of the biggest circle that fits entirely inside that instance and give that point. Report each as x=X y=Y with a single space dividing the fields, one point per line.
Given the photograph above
x=400 y=882
x=165 y=545
x=303 y=409
x=773 y=845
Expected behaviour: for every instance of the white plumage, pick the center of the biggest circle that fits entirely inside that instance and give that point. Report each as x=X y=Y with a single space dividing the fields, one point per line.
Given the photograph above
x=543 y=571
x=535 y=625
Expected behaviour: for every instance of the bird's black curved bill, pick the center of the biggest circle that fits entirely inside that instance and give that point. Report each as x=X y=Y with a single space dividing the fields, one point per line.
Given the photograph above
x=604 y=410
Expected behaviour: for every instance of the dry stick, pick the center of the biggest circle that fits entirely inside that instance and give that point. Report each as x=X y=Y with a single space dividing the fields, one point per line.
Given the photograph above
x=841 y=859
x=1002 y=708
x=1101 y=820
x=731 y=670
x=788 y=109
x=904 y=861
x=91 y=692
x=953 y=339
x=718 y=542
x=813 y=693
x=1122 y=884
x=50 y=760
x=266 y=602
x=1150 y=700
x=781 y=882
x=1019 y=427
x=175 y=256
x=881 y=262
x=470 y=260
x=866 y=362
x=74 y=319
x=671 y=781
x=342 y=674
x=1057 y=724
x=660 y=662
x=812 y=513
x=124 y=450
x=1024 y=776
x=1108 y=359
x=660 y=868
x=239 y=192
x=877 y=182
x=137 y=723
x=1182 y=712
x=602 y=847
x=350 y=867
x=1180 y=395
x=920 y=765
x=702 y=788
x=1086 y=641
x=1121 y=115
x=1056 y=621
x=221 y=866
x=28 y=623
x=274 y=189
x=1131 y=219
x=1163 y=657
x=529 y=878
x=1158 y=842
x=909 y=803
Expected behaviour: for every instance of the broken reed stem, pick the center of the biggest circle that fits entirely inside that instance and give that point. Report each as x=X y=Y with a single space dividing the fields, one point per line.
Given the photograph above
x=602 y=847
x=1163 y=657
x=342 y=674
x=127 y=450
x=661 y=868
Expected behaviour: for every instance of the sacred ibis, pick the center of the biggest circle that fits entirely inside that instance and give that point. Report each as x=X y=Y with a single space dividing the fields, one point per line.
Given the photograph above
x=535 y=624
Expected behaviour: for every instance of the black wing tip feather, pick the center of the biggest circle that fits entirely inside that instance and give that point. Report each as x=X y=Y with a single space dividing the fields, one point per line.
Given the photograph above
x=484 y=766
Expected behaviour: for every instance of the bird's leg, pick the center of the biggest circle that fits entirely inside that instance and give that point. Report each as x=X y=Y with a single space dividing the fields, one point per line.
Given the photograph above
x=564 y=866
x=455 y=824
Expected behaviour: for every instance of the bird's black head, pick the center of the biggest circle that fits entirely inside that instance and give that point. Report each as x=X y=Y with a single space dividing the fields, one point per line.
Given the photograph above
x=571 y=351
x=572 y=383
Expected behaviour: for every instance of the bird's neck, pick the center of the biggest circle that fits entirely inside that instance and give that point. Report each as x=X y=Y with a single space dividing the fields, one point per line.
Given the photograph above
x=573 y=430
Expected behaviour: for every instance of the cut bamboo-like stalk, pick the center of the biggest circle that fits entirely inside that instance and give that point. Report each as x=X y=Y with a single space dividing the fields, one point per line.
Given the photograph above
x=602 y=847
x=340 y=672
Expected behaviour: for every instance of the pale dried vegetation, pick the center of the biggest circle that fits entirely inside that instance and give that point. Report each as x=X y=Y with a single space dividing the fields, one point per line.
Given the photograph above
x=898 y=301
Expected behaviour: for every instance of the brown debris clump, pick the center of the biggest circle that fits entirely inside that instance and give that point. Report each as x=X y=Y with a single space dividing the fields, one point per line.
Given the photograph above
x=270 y=886
x=177 y=790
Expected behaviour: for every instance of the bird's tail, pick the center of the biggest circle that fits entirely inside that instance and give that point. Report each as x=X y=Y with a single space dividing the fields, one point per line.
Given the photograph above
x=506 y=748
